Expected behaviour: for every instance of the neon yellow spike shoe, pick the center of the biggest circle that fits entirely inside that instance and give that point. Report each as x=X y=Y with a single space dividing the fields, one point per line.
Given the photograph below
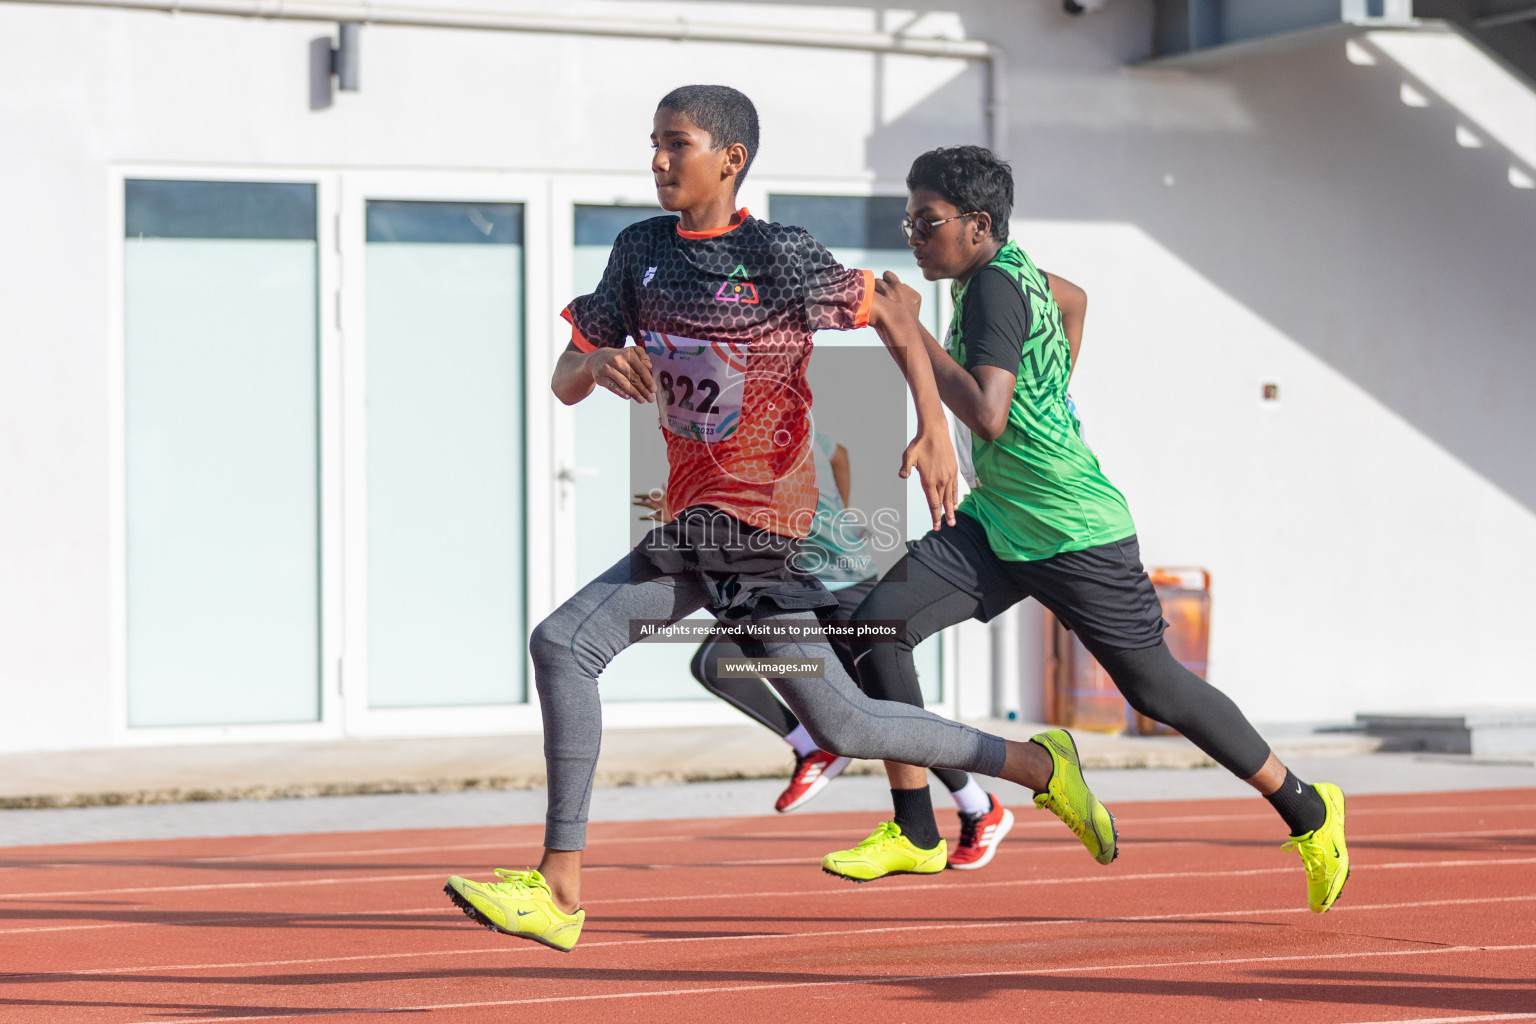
x=885 y=852
x=520 y=904
x=1068 y=797
x=1323 y=852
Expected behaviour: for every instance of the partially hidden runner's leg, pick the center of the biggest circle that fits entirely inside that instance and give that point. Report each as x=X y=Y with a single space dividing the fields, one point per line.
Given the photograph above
x=924 y=603
x=570 y=649
x=750 y=695
x=844 y=720
x=753 y=697
x=969 y=797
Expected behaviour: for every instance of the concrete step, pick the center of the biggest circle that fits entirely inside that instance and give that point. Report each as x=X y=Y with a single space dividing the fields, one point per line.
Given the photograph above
x=1480 y=731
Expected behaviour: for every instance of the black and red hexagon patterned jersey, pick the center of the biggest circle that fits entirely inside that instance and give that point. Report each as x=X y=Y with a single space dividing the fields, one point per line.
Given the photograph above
x=727 y=317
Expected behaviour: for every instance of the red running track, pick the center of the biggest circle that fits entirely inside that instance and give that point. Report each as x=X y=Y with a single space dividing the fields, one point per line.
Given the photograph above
x=1203 y=918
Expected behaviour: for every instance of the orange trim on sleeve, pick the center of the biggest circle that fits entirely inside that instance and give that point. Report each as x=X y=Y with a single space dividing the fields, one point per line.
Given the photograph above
x=577 y=338
x=861 y=316
x=737 y=219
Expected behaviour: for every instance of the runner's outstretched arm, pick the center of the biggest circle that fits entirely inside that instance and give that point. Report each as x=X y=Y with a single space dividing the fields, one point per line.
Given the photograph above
x=1074 y=307
x=930 y=452
x=978 y=398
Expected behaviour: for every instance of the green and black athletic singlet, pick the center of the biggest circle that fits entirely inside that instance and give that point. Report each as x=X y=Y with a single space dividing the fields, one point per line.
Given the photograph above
x=1043 y=522
x=1038 y=490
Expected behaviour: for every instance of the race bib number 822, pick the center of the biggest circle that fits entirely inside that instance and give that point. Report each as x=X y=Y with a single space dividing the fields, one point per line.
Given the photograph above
x=699 y=385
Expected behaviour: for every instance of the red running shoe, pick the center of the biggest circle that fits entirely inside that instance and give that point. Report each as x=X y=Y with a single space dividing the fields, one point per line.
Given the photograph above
x=812 y=773
x=980 y=835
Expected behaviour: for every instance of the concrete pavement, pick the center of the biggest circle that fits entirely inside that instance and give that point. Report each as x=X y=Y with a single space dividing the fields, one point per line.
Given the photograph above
x=1358 y=774
x=153 y=775
x=249 y=789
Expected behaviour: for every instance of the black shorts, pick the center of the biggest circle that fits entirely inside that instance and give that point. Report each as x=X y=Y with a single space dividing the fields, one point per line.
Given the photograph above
x=1102 y=593
x=741 y=566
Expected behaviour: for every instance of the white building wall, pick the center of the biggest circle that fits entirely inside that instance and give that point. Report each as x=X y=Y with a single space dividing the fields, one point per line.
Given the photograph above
x=1286 y=219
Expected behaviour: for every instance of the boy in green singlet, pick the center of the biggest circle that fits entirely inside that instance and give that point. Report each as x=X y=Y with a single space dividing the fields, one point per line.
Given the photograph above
x=1041 y=521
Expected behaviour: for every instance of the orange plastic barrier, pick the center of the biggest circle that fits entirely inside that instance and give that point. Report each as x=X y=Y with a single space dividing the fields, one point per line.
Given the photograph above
x=1080 y=695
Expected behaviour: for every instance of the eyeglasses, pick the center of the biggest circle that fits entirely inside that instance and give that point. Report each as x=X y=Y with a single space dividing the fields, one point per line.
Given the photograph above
x=923 y=228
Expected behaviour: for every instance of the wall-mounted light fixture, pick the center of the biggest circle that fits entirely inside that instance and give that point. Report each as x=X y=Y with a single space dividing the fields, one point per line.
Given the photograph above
x=332 y=64
x=344 y=57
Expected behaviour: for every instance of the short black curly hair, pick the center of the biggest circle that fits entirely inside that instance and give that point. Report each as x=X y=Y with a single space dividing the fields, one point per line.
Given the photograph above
x=971 y=177
x=725 y=113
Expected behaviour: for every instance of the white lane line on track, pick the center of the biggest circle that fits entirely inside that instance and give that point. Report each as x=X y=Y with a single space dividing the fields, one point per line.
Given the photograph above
x=1011 y=882
x=451 y=913
x=206 y=886
x=417 y=876
x=464 y=847
x=1050 y=823
x=1454 y=1020
x=1354 y=813
x=1355 y=842
x=1434 y=836
x=1034 y=849
x=296 y=917
x=900 y=980
x=526 y=947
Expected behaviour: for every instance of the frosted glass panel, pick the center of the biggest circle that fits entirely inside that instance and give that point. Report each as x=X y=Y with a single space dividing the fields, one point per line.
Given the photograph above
x=446 y=562
x=222 y=527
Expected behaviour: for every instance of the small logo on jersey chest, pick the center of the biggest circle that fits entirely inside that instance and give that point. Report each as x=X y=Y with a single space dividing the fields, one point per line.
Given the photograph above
x=737 y=288
x=650 y=274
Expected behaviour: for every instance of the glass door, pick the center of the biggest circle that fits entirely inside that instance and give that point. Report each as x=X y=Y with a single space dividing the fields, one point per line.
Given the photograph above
x=221 y=453
x=435 y=336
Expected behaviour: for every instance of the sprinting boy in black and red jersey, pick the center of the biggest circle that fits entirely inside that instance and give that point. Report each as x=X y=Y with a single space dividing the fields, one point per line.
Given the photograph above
x=724 y=306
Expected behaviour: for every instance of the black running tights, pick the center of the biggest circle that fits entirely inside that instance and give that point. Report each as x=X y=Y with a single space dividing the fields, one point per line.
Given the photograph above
x=1152 y=680
x=750 y=695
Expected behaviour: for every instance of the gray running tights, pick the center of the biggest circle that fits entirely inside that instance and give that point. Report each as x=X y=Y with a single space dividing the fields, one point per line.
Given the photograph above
x=572 y=647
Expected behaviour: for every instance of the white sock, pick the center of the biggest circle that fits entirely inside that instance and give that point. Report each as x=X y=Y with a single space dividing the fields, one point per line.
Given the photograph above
x=972 y=799
x=802 y=742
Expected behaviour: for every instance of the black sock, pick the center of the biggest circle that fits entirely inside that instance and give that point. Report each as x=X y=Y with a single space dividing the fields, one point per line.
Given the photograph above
x=1298 y=803
x=953 y=778
x=914 y=813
